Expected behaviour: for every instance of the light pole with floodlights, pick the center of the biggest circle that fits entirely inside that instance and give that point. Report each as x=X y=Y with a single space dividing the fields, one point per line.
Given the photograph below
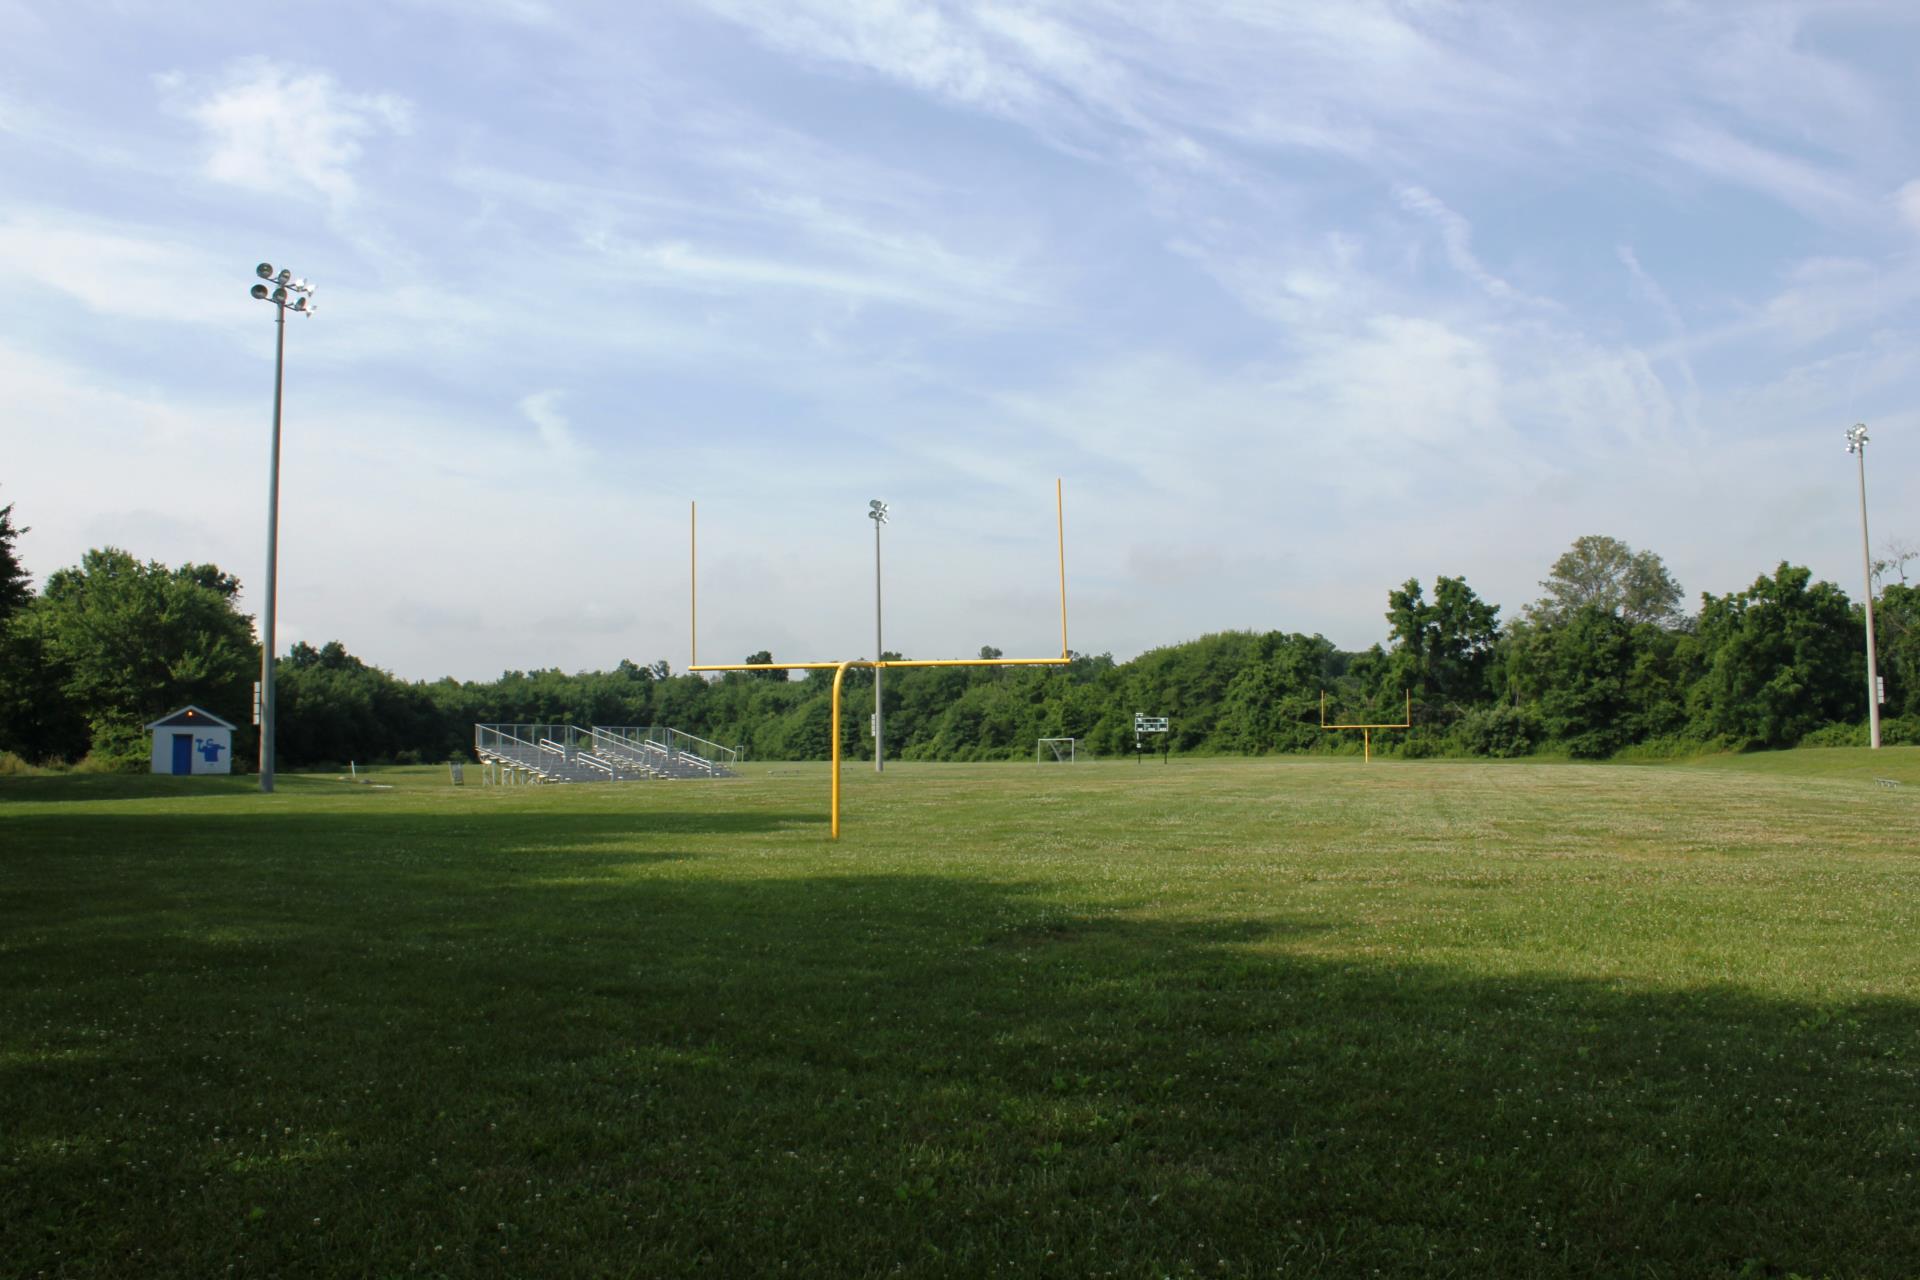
x=877 y=512
x=1857 y=445
x=287 y=293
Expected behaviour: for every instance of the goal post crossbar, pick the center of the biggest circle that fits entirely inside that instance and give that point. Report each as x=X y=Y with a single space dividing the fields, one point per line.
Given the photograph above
x=1072 y=753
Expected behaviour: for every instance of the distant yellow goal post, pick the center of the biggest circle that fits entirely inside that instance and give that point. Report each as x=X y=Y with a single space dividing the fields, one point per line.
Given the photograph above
x=840 y=668
x=1366 y=730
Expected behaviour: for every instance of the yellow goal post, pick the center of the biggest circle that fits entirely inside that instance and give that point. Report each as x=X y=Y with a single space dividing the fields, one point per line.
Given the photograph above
x=840 y=668
x=1366 y=730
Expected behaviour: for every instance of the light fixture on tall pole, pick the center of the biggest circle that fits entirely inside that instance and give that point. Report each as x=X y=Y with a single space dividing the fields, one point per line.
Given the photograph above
x=877 y=512
x=287 y=293
x=1857 y=445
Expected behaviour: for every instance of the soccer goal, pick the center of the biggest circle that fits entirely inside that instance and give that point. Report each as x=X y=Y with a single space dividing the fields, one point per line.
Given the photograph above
x=1062 y=748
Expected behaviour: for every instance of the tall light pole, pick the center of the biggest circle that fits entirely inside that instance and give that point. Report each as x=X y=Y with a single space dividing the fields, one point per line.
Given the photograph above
x=1857 y=446
x=877 y=512
x=286 y=293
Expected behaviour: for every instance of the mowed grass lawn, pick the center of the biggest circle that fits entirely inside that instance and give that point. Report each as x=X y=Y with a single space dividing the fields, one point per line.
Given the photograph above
x=1220 y=1018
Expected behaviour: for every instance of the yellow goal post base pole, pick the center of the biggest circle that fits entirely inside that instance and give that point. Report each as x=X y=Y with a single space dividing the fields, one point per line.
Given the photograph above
x=1366 y=730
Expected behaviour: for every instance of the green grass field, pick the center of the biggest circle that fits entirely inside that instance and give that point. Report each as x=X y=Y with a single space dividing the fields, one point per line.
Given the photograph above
x=1220 y=1018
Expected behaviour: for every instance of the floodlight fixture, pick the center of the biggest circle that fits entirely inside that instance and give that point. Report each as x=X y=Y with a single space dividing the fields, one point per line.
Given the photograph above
x=1857 y=446
x=280 y=288
x=877 y=510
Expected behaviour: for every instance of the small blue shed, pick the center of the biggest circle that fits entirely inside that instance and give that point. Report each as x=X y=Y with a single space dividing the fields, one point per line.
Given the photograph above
x=192 y=741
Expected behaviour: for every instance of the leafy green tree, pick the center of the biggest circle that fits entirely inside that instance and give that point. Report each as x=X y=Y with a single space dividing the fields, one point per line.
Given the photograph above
x=1781 y=659
x=1896 y=618
x=35 y=720
x=1606 y=574
x=332 y=708
x=1443 y=649
x=1591 y=681
x=126 y=642
x=1586 y=701
x=1273 y=702
x=16 y=585
x=778 y=674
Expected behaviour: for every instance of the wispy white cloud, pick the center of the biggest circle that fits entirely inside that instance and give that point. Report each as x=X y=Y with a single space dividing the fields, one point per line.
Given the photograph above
x=1457 y=236
x=1823 y=194
x=919 y=43
x=1906 y=201
x=268 y=127
x=528 y=13
x=126 y=271
x=1677 y=349
x=1756 y=63
x=542 y=409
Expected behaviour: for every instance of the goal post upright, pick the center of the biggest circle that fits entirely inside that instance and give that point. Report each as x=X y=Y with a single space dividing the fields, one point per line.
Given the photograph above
x=841 y=668
x=1060 y=527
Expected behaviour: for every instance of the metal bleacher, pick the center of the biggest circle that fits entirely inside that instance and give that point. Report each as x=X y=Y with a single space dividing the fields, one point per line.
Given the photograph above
x=664 y=752
x=567 y=753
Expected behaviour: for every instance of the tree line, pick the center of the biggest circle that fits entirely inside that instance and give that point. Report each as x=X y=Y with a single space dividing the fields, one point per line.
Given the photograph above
x=1605 y=662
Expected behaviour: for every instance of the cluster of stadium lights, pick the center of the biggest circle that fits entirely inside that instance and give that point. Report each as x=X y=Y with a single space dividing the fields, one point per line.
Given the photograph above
x=284 y=289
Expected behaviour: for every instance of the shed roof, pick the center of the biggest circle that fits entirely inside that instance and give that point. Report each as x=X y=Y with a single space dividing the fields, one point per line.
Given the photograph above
x=191 y=715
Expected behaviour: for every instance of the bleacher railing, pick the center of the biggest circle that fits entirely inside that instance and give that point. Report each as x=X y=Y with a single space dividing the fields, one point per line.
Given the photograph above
x=672 y=749
x=511 y=739
x=686 y=744
x=563 y=752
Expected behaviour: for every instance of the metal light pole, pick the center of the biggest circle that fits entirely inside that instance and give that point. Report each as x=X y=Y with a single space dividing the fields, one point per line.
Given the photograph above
x=1857 y=445
x=877 y=512
x=286 y=293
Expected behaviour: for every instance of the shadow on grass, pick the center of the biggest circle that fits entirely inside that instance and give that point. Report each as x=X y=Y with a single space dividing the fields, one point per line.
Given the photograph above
x=849 y=1075
x=72 y=788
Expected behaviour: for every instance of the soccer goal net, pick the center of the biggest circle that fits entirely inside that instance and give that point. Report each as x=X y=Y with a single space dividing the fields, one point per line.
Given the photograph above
x=1059 y=750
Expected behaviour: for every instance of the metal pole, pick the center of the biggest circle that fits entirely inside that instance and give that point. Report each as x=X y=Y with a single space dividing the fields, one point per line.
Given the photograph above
x=879 y=654
x=273 y=556
x=693 y=584
x=1866 y=559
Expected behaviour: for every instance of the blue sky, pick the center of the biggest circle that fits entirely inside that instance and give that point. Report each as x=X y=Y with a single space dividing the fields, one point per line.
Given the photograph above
x=1300 y=300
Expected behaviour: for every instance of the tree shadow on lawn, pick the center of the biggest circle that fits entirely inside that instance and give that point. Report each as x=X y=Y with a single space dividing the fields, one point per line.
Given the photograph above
x=109 y=834
x=72 y=788
x=76 y=788
x=842 y=1075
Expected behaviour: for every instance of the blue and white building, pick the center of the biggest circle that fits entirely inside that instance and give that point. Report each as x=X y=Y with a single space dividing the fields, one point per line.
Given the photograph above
x=192 y=741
